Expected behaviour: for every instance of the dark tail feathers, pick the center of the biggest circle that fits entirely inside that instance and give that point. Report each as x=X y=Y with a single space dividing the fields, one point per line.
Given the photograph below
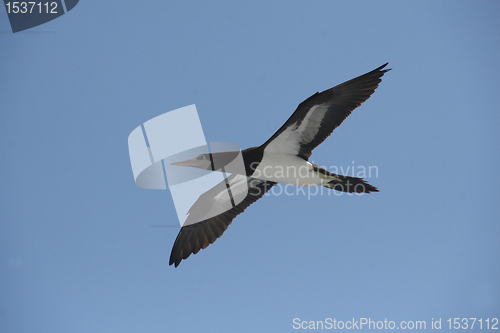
x=350 y=185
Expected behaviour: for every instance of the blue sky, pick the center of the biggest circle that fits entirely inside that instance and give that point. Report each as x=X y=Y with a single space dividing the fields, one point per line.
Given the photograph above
x=78 y=252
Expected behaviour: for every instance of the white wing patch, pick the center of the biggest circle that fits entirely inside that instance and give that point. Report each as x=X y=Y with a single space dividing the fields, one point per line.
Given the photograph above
x=211 y=204
x=290 y=140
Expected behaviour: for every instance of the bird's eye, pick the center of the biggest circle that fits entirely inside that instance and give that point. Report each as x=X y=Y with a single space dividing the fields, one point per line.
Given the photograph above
x=201 y=157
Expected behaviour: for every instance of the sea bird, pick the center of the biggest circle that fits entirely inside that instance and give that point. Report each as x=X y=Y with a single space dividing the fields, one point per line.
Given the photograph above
x=283 y=158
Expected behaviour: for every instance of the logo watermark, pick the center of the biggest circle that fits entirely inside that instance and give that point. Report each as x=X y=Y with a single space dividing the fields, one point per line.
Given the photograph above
x=369 y=324
x=159 y=146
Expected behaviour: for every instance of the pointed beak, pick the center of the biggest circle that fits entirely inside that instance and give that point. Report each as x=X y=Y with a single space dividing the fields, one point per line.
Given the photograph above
x=191 y=163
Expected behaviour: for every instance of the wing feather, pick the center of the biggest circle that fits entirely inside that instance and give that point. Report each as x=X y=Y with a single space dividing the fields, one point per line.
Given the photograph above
x=316 y=117
x=196 y=236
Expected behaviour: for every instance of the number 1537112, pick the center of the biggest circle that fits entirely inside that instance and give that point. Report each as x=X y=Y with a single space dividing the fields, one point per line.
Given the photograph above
x=31 y=7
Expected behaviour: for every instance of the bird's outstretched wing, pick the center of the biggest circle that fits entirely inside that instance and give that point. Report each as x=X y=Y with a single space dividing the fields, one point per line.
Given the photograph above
x=213 y=209
x=317 y=117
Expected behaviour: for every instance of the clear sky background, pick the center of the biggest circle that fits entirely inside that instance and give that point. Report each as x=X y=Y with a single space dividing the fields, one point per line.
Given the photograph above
x=79 y=246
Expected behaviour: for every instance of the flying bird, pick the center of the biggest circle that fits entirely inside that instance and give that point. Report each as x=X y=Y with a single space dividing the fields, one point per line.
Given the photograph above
x=288 y=149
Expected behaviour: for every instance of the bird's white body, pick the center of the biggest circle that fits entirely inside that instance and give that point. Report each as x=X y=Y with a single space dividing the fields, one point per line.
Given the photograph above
x=288 y=169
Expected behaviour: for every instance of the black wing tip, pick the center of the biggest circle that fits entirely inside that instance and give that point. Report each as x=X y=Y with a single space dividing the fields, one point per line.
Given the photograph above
x=182 y=248
x=369 y=80
x=179 y=248
x=381 y=68
x=175 y=262
x=174 y=259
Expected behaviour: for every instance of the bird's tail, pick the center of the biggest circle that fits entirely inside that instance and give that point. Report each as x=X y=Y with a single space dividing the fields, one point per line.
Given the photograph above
x=344 y=183
x=350 y=184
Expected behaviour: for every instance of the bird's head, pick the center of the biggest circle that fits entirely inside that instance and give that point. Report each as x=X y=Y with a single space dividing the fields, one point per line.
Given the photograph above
x=201 y=161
